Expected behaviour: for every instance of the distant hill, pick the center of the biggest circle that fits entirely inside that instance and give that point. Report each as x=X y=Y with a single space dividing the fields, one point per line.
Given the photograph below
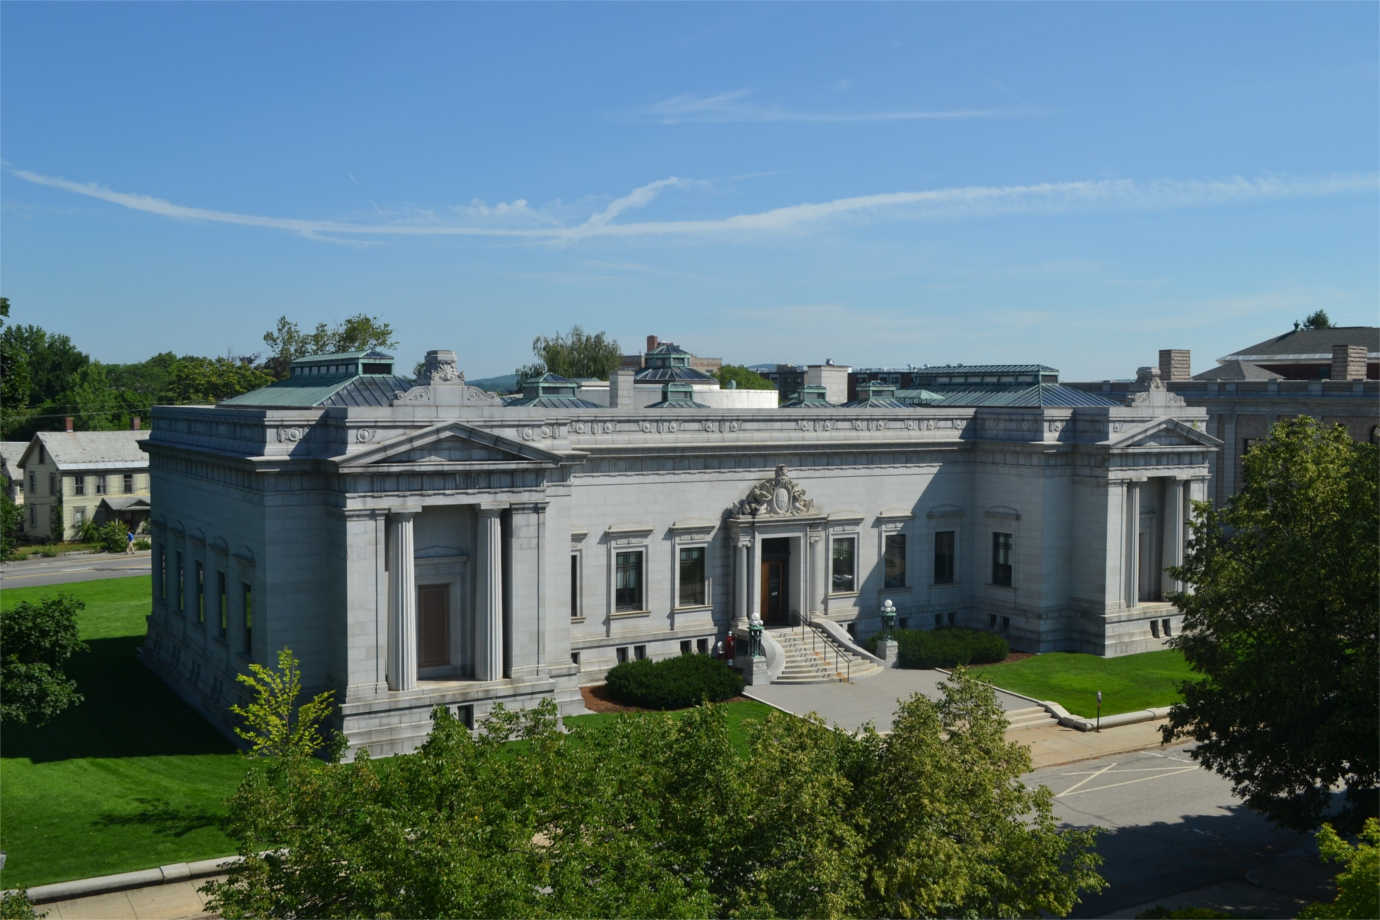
x=504 y=383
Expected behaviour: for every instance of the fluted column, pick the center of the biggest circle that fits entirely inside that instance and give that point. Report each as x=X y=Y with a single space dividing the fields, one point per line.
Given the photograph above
x=817 y=575
x=1173 y=533
x=402 y=606
x=740 y=585
x=1132 y=561
x=488 y=607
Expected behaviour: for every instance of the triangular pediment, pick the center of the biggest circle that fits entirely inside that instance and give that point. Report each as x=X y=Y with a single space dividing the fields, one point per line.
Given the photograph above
x=1164 y=432
x=445 y=445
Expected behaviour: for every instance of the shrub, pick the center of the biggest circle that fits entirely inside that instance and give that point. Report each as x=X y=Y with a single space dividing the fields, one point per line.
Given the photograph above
x=948 y=647
x=142 y=544
x=673 y=683
x=111 y=537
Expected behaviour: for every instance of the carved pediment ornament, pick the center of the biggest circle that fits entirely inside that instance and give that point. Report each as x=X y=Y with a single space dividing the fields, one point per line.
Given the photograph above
x=778 y=496
x=1149 y=390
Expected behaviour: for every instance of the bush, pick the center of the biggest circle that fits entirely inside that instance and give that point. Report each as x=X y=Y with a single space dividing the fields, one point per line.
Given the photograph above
x=142 y=544
x=111 y=537
x=948 y=647
x=35 y=642
x=674 y=683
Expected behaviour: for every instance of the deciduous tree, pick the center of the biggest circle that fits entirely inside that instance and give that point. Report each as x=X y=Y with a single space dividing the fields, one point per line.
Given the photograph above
x=743 y=378
x=36 y=639
x=575 y=354
x=359 y=332
x=1283 y=623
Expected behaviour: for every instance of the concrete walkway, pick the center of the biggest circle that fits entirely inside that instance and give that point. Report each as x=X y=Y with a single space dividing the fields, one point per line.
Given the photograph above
x=170 y=901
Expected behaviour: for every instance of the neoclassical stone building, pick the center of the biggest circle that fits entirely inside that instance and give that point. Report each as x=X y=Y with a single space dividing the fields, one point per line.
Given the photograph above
x=422 y=543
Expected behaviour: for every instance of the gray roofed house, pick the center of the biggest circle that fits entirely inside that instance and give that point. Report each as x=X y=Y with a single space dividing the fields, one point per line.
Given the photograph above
x=69 y=473
x=10 y=454
x=1308 y=354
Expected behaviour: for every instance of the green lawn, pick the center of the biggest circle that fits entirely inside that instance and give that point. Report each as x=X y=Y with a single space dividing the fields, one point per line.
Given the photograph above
x=739 y=713
x=1072 y=680
x=130 y=779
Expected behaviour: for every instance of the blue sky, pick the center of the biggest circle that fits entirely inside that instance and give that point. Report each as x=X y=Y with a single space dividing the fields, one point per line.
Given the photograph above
x=890 y=184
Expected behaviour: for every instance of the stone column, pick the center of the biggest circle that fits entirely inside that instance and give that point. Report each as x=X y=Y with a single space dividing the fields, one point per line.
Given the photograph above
x=402 y=607
x=488 y=602
x=817 y=574
x=526 y=587
x=1173 y=545
x=740 y=585
x=1131 y=562
x=755 y=595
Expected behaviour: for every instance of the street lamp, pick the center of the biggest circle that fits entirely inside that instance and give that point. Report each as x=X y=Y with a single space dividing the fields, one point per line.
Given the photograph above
x=888 y=618
x=755 y=636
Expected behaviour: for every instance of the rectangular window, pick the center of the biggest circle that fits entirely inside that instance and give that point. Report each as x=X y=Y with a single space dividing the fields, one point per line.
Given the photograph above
x=200 y=593
x=52 y=484
x=895 y=560
x=1001 y=559
x=685 y=646
x=78 y=516
x=702 y=646
x=247 y=593
x=33 y=516
x=78 y=485
x=100 y=483
x=574 y=585
x=944 y=557
x=691 y=576
x=33 y=483
x=222 y=606
x=844 y=573
x=181 y=596
x=128 y=483
x=628 y=581
x=640 y=652
x=622 y=654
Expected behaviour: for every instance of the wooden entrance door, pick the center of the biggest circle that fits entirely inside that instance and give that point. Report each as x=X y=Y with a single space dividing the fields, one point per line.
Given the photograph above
x=433 y=626
x=774 y=592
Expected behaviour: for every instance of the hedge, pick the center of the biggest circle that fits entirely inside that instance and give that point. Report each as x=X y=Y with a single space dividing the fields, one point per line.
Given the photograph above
x=947 y=647
x=673 y=683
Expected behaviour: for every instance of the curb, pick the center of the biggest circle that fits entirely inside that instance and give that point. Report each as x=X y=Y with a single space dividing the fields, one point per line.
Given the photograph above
x=1069 y=720
x=142 y=878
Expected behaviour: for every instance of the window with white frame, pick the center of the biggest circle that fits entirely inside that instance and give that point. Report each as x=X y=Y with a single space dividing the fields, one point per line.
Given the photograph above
x=79 y=484
x=843 y=565
x=128 y=483
x=691 y=576
x=100 y=483
x=627 y=584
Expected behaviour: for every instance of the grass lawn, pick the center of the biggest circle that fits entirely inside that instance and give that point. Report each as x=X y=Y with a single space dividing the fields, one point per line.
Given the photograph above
x=52 y=549
x=130 y=779
x=1072 y=680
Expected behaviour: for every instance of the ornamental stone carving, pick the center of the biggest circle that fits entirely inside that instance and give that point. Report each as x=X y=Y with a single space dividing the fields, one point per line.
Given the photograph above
x=441 y=383
x=439 y=367
x=1150 y=391
x=778 y=496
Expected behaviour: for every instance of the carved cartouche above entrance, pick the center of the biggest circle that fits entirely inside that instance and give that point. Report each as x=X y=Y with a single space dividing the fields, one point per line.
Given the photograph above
x=775 y=496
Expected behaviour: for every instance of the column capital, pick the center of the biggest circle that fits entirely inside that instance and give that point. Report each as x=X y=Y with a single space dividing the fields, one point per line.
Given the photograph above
x=404 y=512
x=492 y=508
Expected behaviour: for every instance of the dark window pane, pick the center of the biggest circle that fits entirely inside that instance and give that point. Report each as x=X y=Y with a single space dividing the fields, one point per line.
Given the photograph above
x=574 y=585
x=895 y=560
x=692 y=576
x=248 y=593
x=628 y=581
x=1001 y=559
x=944 y=557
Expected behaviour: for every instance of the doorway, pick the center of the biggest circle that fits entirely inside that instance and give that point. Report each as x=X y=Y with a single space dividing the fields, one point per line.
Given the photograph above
x=433 y=626
x=775 y=585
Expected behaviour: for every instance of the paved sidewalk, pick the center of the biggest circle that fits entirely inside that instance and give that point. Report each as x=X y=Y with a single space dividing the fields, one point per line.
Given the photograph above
x=170 y=901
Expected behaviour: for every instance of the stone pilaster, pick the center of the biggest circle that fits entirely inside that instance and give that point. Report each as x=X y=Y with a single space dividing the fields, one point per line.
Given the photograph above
x=527 y=586
x=740 y=585
x=1173 y=533
x=1131 y=561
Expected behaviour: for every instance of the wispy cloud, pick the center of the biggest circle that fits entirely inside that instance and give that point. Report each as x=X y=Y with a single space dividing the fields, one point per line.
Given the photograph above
x=736 y=107
x=948 y=203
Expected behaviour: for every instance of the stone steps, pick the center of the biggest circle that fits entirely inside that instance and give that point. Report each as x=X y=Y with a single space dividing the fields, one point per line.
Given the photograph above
x=1029 y=717
x=815 y=663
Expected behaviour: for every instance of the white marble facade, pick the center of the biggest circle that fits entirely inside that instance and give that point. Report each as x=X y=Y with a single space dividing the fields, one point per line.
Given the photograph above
x=452 y=551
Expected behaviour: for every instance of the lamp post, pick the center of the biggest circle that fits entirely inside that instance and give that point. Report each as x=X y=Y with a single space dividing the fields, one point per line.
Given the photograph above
x=755 y=637
x=888 y=618
x=1099 y=710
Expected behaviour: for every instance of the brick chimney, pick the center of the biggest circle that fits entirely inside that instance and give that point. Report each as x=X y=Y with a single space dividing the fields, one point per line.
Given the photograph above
x=651 y=343
x=1174 y=364
x=68 y=420
x=1348 y=362
x=135 y=423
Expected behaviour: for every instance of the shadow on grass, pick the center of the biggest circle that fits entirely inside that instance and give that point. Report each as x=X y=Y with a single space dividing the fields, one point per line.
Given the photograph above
x=128 y=712
x=162 y=818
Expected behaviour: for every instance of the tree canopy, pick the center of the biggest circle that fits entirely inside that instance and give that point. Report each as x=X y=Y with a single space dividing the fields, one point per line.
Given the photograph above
x=1282 y=621
x=36 y=639
x=287 y=341
x=1318 y=319
x=664 y=817
x=576 y=354
x=743 y=378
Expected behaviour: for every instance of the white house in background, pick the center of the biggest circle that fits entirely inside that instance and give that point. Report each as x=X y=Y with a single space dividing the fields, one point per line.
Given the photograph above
x=71 y=477
x=421 y=543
